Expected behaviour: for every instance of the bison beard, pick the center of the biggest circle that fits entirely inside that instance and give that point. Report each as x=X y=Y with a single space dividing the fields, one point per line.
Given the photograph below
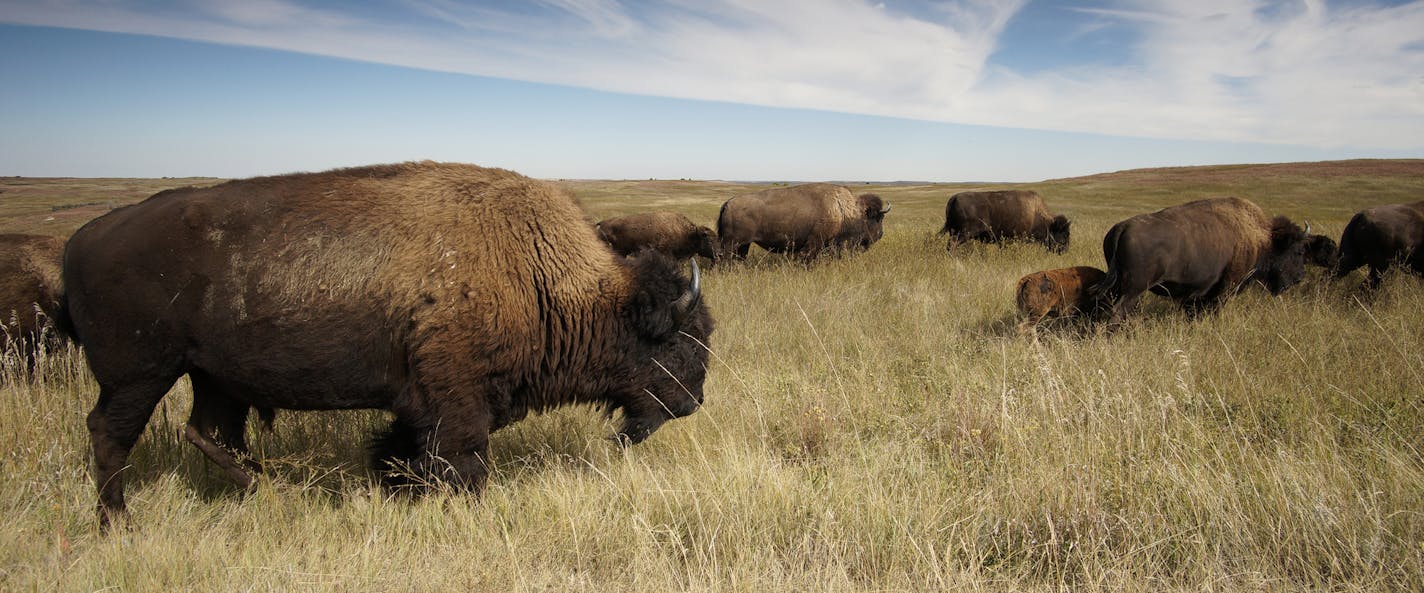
x=457 y=297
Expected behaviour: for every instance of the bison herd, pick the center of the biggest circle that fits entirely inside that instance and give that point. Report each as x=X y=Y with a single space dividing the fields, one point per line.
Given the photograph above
x=462 y=298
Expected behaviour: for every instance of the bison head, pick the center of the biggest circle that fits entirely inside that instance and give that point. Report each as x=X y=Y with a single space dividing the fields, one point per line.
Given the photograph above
x=1283 y=263
x=667 y=361
x=874 y=210
x=1321 y=250
x=1057 y=240
x=705 y=244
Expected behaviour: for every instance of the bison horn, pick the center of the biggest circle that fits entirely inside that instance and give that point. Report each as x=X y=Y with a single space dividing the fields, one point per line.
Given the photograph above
x=1307 y=227
x=886 y=210
x=684 y=305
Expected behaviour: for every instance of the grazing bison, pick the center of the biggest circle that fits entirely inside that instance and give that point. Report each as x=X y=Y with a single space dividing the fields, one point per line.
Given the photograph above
x=1057 y=293
x=459 y=298
x=1003 y=215
x=1199 y=253
x=805 y=219
x=668 y=232
x=1382 y=236
x=30 y=290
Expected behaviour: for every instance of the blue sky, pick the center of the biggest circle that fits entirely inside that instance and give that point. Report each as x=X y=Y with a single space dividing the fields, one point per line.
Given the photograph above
x=960 y=90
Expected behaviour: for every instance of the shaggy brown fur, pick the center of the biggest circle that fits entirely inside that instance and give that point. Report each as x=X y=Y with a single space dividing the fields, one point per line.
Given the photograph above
x=668 y=232
x=1381 y=237
x=1003 y=215
x=458 y=297
x=805 y=220
x=1199 y=253
x=1052 y=294
x=30 y=290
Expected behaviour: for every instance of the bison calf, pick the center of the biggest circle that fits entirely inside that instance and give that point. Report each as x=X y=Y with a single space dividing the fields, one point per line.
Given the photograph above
x=1056 y=293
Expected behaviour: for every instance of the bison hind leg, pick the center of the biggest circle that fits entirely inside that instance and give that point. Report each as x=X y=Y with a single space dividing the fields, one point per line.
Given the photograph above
x=115 y=425
x=217 y=427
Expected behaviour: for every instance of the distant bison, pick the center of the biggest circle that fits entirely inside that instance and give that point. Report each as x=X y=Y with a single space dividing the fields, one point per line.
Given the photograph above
x=1382 y=236
x=1003 y=215
x=30 y=290
x=1057 y=293
x=1199 y=253
x=805 y=220
x=668 y=232
x=459 y=298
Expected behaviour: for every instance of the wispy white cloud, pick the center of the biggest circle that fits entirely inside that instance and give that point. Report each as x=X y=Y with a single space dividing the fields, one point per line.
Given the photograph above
x=1296 y=72
x=1301 y=72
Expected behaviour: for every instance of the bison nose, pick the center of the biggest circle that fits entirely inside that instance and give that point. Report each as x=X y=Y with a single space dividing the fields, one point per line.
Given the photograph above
x=685 y=406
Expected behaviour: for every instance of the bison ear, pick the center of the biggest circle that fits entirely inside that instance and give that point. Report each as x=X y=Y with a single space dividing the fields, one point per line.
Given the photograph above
x=663 y=301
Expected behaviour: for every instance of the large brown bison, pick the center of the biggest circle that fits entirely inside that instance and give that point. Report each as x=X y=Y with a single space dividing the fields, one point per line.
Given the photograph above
x=1003 y=215
x=1382 y=236
x=30 y=290
x=1053 y=294
x=1199 y=253
x=668 y=232
x=459 y=298
x=805 y=220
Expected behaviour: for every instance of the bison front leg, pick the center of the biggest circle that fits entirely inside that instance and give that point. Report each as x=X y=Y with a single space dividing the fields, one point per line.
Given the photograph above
x=448 y=442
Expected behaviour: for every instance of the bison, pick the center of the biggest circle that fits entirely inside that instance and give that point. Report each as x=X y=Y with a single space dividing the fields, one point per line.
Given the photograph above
x=1380 y=237
x=805 y=220
x=1054 y=294
x=1003 y=215
x=30 y=290
x=459 y=298
x=1199 y=253
x=668 y=232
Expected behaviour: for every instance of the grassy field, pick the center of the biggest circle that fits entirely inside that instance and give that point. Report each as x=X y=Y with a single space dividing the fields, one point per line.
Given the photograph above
x=873 y=423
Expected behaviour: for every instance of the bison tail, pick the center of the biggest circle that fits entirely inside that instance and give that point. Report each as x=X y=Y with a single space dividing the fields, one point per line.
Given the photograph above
x=63 y=322
x=948 y=218
x=1348 y=256
x=722 y=219
x=1098 y=291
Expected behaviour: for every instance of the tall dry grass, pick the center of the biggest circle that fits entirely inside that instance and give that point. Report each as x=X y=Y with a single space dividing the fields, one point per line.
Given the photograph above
x=873 y=423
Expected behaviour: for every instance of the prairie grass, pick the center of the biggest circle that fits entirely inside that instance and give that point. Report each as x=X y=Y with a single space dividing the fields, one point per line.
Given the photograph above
x=873 y=423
